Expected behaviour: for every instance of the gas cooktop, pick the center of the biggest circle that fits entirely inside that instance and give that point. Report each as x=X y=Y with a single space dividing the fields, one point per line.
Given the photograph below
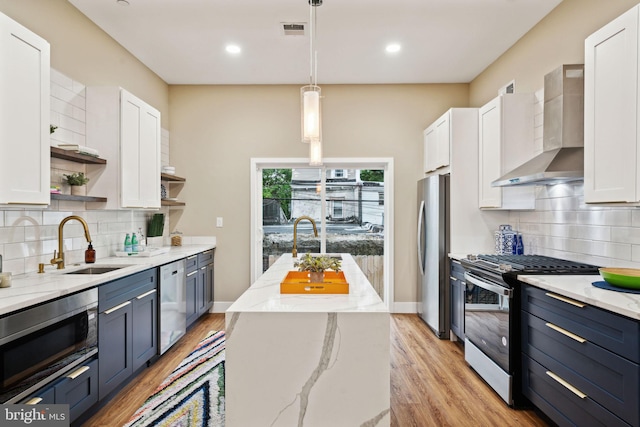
x=528 y=264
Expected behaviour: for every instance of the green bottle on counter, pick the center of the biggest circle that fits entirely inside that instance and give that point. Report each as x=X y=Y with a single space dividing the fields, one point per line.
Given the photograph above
x=127 y=244
x=134 y=243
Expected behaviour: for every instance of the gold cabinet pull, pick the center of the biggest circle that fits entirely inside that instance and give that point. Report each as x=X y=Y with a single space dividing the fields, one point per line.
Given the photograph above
x=192 y=273
x=453 y=278
x=566 y=333
x=117 y=307
x=192 y=256
x=566 y=385
x=146 y=294
x=75 y=374
x=203 y=268
x=33 y=401
x=565 y=299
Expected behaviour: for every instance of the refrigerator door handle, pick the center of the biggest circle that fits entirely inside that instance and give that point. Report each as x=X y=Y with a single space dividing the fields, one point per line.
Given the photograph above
x=421 y=214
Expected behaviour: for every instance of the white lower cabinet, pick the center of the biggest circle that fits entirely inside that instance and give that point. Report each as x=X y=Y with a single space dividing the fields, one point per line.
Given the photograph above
x=24 y=122
x=126 y=131
x=505 y=142
x=612 y=88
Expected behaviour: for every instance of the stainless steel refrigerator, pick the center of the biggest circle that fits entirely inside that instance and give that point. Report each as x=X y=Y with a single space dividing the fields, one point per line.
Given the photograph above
x=433 y=250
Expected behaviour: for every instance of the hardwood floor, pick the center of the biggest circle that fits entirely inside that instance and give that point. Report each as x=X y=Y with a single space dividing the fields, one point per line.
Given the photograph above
x=431 y=385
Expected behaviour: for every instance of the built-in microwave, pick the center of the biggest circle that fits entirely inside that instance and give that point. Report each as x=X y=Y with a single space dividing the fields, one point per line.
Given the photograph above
x=41 y=343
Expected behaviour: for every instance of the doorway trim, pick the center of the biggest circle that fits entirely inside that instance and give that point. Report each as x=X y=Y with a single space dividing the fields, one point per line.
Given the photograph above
x=386 y=163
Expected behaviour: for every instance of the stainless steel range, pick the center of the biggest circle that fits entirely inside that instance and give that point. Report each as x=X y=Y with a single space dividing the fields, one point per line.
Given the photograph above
x=492 y=314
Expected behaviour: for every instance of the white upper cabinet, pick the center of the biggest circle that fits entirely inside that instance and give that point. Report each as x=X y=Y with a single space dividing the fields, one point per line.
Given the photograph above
x=611 y=111
x=126 y=131
x=24 y=116
x=505 y=141
x=437 y=144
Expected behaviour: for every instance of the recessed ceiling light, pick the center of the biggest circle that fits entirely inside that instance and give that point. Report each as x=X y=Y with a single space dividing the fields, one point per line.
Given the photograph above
x=393 y=48
x=123 y=2
x=234 y=49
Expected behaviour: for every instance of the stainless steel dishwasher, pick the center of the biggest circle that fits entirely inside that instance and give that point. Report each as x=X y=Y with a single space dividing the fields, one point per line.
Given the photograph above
x=173 y=304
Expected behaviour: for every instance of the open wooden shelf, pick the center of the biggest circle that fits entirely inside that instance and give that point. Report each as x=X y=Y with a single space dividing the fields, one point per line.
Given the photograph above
x=165 y=202
x=171 y=178
x=59 y=153
x=56 y=196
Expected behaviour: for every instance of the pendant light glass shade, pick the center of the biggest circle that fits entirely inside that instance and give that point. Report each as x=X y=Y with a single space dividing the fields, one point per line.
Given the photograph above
x=311 y=115
x=315 y=153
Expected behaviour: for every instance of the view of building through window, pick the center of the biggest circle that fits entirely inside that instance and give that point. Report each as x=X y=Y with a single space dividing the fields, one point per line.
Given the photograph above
x=348 y=204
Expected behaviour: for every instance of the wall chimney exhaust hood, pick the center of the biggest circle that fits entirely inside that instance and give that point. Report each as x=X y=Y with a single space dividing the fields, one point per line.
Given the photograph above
x=562 y=158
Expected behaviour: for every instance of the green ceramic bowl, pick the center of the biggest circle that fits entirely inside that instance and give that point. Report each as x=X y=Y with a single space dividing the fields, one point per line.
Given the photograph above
x=622 y=277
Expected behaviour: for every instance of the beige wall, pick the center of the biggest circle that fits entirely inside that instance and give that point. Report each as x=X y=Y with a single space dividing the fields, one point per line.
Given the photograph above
x=216 y=130
x=82 y=51
x=557 y=39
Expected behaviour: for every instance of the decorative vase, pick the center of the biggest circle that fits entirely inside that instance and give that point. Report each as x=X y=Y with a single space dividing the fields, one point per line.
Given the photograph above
x=316 y=276
x=78 y=190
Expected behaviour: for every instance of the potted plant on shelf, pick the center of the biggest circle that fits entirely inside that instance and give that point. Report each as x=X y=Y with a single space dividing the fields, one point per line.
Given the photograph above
x=316 y=266
x=77 y=181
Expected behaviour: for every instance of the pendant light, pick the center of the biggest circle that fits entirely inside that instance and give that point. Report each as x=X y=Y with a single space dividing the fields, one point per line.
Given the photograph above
x=310 y=95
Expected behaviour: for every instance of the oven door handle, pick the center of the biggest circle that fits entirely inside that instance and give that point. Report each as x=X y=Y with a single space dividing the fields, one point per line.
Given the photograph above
x=497 y=289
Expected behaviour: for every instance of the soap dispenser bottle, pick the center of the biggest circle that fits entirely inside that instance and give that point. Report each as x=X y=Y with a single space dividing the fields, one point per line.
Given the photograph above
x=90 y=254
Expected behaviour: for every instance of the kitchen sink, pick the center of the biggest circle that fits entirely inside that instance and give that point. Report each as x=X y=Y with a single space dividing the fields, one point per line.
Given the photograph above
x=97 y=270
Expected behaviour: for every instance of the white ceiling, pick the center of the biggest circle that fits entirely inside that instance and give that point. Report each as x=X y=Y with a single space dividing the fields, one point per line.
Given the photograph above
x=443 y=41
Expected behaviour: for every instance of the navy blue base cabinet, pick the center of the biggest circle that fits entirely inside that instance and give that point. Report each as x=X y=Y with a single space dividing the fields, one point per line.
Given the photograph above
x=580 y=363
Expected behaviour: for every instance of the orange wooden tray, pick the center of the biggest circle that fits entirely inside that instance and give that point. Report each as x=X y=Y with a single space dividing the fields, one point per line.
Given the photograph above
x=297 y=282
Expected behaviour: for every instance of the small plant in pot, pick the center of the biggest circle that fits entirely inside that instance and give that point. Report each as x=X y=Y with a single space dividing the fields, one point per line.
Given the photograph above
x=77 y=181
x=316 y=266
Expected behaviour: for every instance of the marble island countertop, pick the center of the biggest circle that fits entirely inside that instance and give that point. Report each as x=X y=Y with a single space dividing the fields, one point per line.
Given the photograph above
x=314 y=360
x=264 y=295
x=33 y=288
x=581 y=289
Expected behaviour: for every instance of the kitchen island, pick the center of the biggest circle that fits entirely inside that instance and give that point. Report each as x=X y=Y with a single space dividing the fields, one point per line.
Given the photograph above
x=307 y=360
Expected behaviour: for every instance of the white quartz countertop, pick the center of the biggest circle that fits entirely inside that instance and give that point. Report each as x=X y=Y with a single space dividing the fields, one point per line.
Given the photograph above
x=580 y=288
x=264 y=295
x=33 y=288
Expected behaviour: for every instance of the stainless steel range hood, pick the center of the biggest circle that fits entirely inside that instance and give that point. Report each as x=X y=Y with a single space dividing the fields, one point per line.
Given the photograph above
x=562 y=159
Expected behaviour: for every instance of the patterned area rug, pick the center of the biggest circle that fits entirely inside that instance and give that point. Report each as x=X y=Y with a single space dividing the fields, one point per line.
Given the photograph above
x=193 y=395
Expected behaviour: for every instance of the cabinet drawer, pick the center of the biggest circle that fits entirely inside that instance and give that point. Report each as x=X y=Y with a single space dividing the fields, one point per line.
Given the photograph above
x=205 y=257
x=608 y=379
x=616 y=333
x=79 y=392
x=191 y=263
x=559 y=403
x=113 y=293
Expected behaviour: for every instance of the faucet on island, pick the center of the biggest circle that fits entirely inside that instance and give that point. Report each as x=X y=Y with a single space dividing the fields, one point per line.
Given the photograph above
x=294 y=252
x=59 y=258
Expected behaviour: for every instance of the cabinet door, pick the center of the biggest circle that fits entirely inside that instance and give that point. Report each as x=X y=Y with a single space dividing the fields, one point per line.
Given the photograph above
x=79 y=389
x=191 y=292
x=430 y=149
x=114 y=347
x=145 y=333
x=139 y=153
x=490 y=153
x=208 y=296
x=201 y=292
x=457 y=307
x=611 y=112
x=443 y=138
x=24 y=122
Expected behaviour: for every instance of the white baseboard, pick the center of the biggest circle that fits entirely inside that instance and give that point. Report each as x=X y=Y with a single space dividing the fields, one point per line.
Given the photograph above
x=405 y=307
x=220 y=306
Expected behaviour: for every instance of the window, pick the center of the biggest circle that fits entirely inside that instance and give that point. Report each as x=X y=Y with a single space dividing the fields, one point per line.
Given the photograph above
x=349 y=212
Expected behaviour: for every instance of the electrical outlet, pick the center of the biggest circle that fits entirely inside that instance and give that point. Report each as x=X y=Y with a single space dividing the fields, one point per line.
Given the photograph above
x=219 y=222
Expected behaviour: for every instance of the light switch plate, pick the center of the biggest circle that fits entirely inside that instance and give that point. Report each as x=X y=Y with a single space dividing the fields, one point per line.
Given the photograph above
x=219 y=222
